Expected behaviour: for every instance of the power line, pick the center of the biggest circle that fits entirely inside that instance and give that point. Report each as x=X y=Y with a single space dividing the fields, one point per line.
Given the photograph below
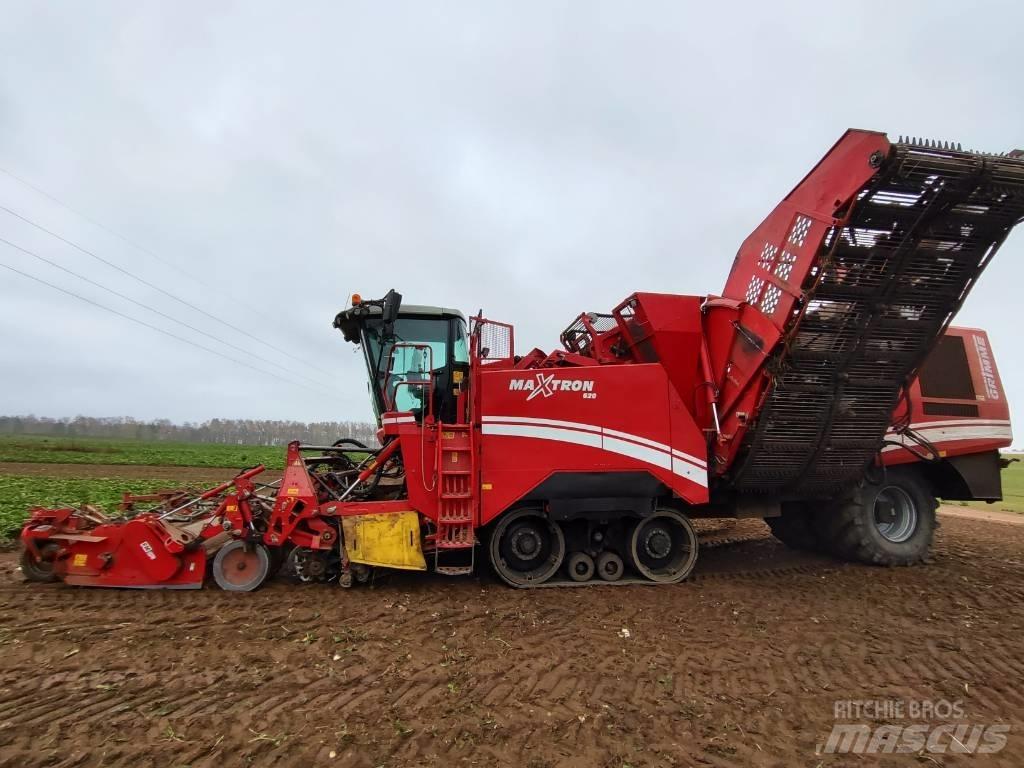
x=151 y=309
x=160 y=330
x=123 y=238
x=157 y=288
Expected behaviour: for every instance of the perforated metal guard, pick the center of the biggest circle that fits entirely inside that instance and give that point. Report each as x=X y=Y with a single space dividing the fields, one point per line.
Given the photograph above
x=578 y=336
x=887 y=286
x=496 y=338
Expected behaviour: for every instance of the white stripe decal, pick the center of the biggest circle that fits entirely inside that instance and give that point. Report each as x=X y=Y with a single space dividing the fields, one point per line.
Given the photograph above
x=693 y=460
x=398 y=420
x=636 y=439
x=543 y=422
x=638 y=452
x=591 y=439
x=697 y=462
x=690 y=472
x=954 y=434
x=648 y=455
x=967 y=421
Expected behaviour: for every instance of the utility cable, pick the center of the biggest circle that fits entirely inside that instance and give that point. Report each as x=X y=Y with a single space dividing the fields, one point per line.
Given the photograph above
x=125 y=239
x=161 y=330
x=157 y=288
x=151 y=309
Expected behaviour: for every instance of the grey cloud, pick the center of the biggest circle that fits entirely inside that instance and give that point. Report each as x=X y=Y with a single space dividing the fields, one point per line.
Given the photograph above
x=533 y=159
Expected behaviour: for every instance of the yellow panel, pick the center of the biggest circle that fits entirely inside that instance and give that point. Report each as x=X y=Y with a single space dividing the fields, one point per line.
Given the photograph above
x=391 y=540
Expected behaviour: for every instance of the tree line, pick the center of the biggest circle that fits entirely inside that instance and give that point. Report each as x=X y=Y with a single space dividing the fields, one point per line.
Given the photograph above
x=224 y=431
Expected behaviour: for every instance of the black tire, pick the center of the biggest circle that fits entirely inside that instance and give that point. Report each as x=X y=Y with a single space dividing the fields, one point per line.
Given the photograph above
x=40 y=570
x=891 y=522
x=795 y=528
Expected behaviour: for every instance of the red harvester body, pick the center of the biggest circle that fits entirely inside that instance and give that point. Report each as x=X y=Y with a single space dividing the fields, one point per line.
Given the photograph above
x=824 y=391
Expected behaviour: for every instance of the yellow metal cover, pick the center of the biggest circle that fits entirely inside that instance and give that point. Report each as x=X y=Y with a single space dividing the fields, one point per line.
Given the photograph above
x=391 y=540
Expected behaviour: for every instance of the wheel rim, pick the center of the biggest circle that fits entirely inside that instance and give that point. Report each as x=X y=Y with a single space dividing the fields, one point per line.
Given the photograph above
x=239 y=567
x=663 y=547
x=527 y=548
x=903 y=522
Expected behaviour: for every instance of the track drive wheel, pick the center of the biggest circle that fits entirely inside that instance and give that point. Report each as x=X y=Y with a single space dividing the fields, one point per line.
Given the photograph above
x=891 y=522
x=40 y=569
x=526 y=547
x=241 y=566
x=663 y=546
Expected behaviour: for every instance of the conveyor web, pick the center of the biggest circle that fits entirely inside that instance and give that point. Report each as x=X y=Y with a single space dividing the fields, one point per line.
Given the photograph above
x=887 y=285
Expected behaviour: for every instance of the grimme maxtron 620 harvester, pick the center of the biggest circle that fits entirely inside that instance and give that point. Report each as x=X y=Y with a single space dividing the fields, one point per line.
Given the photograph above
x=823 y=391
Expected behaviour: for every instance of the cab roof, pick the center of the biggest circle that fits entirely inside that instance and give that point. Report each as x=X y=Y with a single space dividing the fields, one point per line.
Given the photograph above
x=349 y=320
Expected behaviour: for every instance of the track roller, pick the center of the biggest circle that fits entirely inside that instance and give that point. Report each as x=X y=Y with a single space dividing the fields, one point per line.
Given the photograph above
x=580 y=566
x=609 y=566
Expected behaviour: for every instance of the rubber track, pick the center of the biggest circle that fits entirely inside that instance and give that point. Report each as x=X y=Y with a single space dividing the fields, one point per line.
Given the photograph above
x=722 y=541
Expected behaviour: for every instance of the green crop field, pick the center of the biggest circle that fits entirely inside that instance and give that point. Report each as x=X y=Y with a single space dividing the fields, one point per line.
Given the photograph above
x=19 y=494
x=92 y=450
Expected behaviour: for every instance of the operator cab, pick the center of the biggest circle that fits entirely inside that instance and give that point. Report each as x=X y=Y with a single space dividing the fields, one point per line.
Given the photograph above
x=417 y=357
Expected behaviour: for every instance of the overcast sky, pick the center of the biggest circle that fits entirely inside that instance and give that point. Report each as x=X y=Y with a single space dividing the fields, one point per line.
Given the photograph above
x=532 y=159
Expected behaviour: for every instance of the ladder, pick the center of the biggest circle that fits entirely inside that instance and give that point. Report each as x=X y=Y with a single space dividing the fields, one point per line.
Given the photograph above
x=455 y=499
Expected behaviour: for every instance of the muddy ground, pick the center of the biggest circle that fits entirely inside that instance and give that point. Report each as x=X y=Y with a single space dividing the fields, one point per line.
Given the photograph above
x=739 y=667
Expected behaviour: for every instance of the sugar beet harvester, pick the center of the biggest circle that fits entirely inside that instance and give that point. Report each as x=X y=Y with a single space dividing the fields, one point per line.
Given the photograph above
x=823 y=391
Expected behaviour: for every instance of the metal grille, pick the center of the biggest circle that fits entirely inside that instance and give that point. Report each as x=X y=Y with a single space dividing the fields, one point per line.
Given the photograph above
x=494 y=341
x=785 y=266
x=888 y=284
x=770 y=300
x=798 y=234
x=578 y=336
x=767 y=257
x=754 y=289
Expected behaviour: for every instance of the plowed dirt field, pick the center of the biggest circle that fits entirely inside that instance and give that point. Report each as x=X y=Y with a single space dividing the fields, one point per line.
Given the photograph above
x=742 y=666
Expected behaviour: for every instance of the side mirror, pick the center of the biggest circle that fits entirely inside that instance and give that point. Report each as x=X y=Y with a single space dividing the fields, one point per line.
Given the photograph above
x=392 y=303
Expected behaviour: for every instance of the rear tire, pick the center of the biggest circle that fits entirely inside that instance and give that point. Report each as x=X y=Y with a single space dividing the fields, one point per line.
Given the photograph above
x=795 y=528
x=41 y=569
x=888 y=523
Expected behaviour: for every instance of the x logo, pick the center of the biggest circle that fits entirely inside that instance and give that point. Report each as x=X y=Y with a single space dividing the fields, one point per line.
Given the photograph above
x=545 y=386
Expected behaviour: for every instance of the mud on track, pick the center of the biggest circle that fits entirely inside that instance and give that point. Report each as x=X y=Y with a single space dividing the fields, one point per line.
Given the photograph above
x=739 y=667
